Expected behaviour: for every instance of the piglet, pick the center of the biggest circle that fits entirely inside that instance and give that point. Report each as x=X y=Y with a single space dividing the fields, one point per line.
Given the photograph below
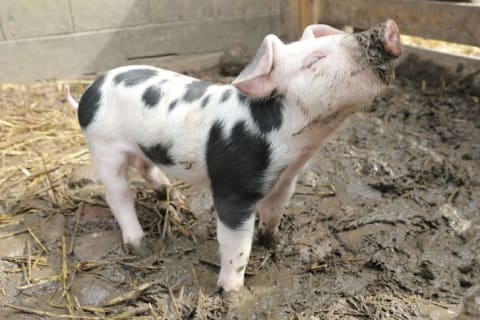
x=247 y=141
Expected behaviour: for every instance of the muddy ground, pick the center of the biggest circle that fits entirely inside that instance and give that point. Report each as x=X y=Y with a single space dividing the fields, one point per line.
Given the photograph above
x=385 y=224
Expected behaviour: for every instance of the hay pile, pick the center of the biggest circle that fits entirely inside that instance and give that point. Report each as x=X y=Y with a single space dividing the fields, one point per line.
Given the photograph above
x=443 y=46
x=41 y=143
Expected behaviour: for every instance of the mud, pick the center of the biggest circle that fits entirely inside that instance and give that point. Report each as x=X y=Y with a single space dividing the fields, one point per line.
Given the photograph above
x=372 y=44
x=385 y=224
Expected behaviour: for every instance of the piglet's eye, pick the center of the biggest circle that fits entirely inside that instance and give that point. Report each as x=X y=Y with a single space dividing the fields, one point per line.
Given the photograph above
x=312 y=59
x=316 y=59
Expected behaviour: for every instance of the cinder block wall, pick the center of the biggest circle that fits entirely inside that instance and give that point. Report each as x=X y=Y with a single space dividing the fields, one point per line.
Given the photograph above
x=45 y=39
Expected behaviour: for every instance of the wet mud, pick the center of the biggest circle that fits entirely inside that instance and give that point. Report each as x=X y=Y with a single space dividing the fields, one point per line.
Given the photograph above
x=384 y=224
x=372 y=49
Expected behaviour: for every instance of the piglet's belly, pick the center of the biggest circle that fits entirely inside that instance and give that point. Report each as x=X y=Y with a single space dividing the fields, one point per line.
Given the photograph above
x=182 y=172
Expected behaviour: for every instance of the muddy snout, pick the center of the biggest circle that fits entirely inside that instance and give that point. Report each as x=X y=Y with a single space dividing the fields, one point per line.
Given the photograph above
x=391 y=37
x=379 y=46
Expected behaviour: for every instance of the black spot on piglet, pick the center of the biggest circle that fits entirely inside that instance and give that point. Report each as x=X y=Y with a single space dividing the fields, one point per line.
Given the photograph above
x=133 y=77
x=195 y=90
x=205 y=101
x=152 y=96
x=172 y=105
x=159 y=153
x=236 y=163
x=226 y=95
x=266 y=112
x=89 y=102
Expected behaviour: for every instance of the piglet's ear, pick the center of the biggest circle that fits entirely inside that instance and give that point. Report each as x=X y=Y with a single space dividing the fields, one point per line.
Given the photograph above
x=319 y=30
x=256 y=80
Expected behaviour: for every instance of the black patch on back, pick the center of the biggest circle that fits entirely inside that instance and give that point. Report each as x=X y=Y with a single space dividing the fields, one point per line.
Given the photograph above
x=195 y=90
x=152 y=96
x=133 y=77
x=266 y=112
x=226 y=95
x=205 y=101
x=159 y=153
x=172 y=105
x=242 y=98
x=89 y=102
x=236 y=166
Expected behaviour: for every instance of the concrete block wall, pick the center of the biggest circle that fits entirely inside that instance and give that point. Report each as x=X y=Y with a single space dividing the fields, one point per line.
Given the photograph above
x=65 y=38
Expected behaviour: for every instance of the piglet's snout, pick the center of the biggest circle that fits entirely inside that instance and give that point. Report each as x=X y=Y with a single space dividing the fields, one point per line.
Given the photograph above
x=393 y=45
x=379 y=46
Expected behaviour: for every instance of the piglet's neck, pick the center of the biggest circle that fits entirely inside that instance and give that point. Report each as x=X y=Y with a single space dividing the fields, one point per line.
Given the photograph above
x=300 y=113
x=317 y=123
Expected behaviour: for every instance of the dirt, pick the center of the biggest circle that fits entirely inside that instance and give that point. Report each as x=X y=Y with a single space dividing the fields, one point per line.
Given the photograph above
x=372 y=42
x=385 y=224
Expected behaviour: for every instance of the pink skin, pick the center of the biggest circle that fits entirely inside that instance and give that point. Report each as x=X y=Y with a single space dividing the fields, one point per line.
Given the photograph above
x=322 y=84
x=393 y=45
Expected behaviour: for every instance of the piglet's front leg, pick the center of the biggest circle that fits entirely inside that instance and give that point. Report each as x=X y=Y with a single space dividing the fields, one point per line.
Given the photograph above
x=235 y=247
x=235 y=225
x=271 y=206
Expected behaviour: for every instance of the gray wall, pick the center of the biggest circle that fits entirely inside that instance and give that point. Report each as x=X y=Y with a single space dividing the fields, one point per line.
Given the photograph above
x=44 y=39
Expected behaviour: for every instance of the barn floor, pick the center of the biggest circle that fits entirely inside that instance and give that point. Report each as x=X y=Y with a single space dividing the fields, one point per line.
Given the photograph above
x=385 y=223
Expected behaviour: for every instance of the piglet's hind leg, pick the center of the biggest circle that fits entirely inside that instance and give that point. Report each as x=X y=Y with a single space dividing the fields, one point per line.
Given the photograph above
x=153 y=175
x=112 y=170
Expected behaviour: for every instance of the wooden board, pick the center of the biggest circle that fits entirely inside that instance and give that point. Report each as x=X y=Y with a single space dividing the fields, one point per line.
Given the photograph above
x=454 y=62
x=454 y=22
x=290 y=19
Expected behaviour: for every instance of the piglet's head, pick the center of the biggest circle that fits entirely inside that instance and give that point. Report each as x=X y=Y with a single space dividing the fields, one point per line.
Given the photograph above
x=326 y=68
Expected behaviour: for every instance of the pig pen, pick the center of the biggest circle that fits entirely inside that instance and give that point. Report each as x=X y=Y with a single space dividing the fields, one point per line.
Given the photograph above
x=384 y=223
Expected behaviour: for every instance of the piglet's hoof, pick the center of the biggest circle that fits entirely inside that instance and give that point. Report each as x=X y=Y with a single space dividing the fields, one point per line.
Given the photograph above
x=144 y=249
x=233 y=298
x=267 y=239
